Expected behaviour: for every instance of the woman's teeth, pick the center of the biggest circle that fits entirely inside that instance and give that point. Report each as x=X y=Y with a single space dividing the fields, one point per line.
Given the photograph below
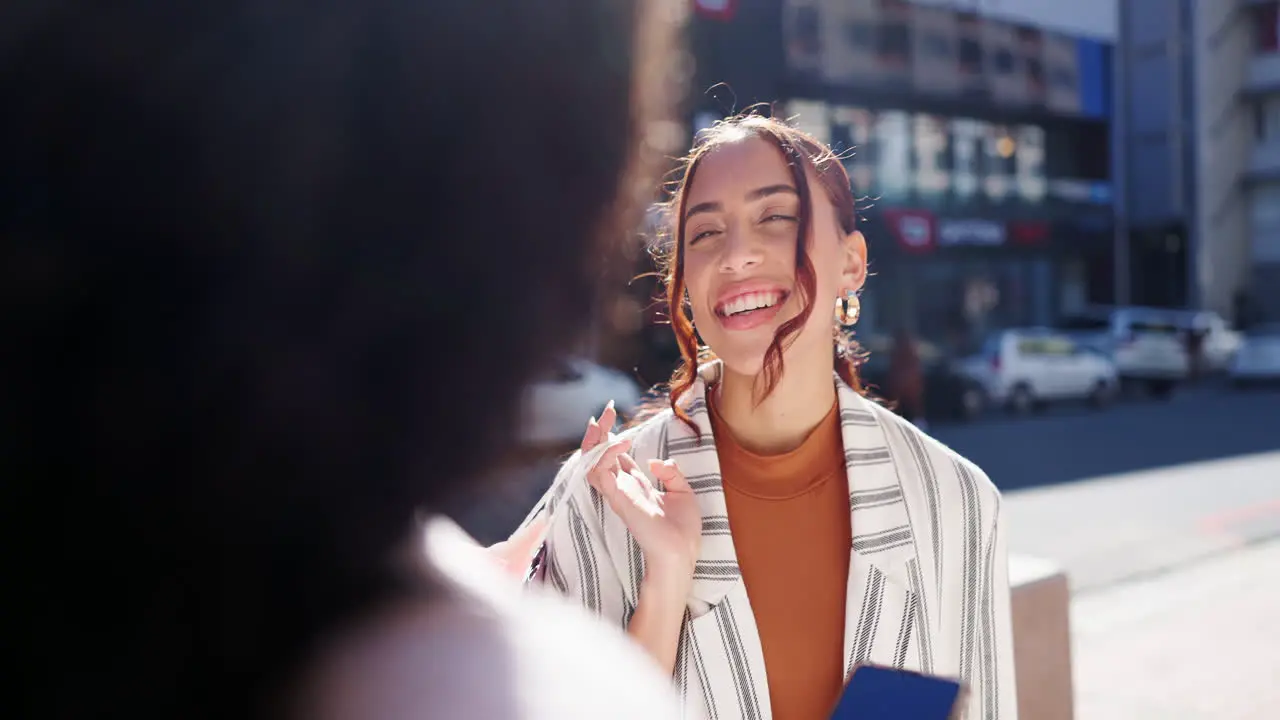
x=750 y=301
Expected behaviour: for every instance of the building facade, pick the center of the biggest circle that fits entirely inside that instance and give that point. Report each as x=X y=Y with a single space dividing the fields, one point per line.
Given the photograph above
x=1201 y=168
x=978 y=133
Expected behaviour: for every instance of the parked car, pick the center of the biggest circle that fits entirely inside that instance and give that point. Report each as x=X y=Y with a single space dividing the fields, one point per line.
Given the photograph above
x=557 y=408
x=1027 y=368
x=1258 y=359
x=1146 y=345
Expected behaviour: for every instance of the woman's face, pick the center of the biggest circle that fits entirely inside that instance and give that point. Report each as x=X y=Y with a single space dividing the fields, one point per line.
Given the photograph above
x=742 y=215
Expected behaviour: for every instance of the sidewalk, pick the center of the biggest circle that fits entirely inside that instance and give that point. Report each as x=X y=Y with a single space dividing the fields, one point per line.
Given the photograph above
x=1116 y=528
x=1199 y=642
x=1175 y=578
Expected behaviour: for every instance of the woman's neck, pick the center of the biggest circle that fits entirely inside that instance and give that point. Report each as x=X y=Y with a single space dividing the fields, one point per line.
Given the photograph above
x=801 y=399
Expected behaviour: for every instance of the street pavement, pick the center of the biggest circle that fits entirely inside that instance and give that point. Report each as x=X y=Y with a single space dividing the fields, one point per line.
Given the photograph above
x=1198 y=643
x=1139 y=488
x=1106 y=530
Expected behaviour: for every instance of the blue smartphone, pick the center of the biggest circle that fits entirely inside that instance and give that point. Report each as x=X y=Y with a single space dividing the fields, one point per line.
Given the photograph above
x=879 y=693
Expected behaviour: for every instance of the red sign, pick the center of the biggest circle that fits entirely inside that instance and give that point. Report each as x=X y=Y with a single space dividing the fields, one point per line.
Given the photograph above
x=1029 y=232
x=722 y=10
x=916 y=230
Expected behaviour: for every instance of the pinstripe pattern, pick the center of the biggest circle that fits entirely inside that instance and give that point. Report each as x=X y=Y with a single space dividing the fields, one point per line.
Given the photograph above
x=731 y=641
x=708 y=707
x=969 y=598
x=635 y=563
x=927 y=587
x=904 y=632
x=924 y=468
x=680 y=674
x=921 y=610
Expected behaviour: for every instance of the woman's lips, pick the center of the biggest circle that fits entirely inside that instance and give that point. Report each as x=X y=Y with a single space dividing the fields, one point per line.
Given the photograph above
x=734 y=315
x=749 y=301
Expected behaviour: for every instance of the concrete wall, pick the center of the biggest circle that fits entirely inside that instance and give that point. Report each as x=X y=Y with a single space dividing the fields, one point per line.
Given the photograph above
x=1189 y=136
x=1041 y=607
x=1151 y=65
x=1222 y=257
x=1061 y=56
x=1088 y=18
x=844 y=62
x=932 y=70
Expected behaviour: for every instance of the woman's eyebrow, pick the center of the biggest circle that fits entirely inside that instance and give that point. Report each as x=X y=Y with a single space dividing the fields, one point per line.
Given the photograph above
x=757 y=194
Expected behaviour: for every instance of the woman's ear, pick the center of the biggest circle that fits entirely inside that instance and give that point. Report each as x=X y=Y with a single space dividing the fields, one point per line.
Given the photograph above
x=854 y=270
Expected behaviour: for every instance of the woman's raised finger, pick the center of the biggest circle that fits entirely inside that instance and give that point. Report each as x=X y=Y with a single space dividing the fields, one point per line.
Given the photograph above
x=608 y=418
x=591 y=437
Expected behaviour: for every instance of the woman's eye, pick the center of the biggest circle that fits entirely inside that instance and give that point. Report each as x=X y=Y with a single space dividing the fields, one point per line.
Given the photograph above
x=702 y=235
x=780 y=218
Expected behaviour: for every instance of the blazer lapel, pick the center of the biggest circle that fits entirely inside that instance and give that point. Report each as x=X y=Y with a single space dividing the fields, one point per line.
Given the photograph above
x=720 y=642
x=716 y=572
x=721 y=669
x=881 y=618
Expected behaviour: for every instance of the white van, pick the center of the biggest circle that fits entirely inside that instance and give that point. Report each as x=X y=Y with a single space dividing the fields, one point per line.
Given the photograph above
x=1146 y=344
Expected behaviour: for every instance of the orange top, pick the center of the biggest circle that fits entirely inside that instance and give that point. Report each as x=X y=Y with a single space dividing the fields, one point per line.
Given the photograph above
x=789 y=515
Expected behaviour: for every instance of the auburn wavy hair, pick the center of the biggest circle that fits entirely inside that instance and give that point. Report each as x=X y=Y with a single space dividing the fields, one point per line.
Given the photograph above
x=801 y=152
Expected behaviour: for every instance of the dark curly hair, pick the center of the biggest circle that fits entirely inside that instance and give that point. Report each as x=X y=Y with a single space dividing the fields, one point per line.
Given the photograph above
x=274 y=276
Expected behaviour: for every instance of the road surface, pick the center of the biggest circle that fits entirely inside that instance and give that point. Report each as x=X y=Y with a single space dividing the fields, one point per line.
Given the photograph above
x=1203 y=423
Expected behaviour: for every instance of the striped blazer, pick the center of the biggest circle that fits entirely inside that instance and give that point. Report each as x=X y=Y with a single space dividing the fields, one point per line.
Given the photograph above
x=927 y=589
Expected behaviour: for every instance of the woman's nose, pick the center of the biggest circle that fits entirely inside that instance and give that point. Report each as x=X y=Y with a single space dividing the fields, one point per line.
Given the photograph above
x=741 y=252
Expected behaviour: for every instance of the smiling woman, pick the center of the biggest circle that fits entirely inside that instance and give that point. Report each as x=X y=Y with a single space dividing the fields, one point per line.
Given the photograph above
x=772 y=529
x=741 y=250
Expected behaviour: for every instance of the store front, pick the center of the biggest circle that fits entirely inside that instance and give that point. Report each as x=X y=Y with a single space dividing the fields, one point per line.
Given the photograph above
x=952 y=280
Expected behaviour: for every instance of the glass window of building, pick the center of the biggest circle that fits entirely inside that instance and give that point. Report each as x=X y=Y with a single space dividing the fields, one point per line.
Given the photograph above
x=1267 y=118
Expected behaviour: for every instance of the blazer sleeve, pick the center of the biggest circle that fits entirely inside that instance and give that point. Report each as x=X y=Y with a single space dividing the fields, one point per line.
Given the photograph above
x=581 y=563
x=992 y=688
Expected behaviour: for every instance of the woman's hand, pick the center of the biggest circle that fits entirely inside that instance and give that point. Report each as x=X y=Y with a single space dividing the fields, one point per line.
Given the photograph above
x=668 y=527
x=666 y=523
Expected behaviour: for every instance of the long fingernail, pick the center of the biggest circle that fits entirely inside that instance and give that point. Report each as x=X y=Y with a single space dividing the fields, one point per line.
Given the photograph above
x=609 y=406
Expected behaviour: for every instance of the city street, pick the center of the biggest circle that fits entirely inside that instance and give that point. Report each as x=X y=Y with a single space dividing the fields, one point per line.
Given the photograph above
x=1071 y=443
x=1166 y=519
x=1139 y=488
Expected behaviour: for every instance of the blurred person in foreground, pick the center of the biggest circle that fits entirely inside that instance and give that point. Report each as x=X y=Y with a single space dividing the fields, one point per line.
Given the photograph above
x=773 y=528
x=255 y=258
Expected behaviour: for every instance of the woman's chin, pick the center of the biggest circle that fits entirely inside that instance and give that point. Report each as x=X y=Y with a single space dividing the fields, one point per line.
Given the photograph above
x=811 y=350
x=743 y=363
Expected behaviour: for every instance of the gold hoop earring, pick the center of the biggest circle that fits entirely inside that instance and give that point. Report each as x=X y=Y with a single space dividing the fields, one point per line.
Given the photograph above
x=848 y=309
